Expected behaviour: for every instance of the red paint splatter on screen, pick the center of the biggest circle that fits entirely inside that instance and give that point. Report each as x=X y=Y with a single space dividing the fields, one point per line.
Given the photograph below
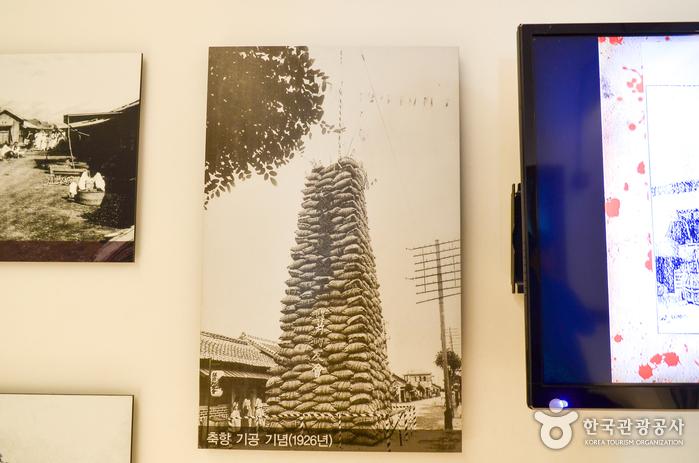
x=632 y=126
x=611 y=207
x=616 y=40
x=645 y=371
x=636 y=83
x=618 y=338
x=657 y=358
x=601 y=39
x=641 y=168
x=620 y=98
x=667 y=38
x=671 y=359
x=649 y=262
x=626 y=186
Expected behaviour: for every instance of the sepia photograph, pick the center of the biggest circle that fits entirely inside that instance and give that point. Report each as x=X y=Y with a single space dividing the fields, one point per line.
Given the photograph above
x=69 y=127
x=331 y=314
x=36 y=428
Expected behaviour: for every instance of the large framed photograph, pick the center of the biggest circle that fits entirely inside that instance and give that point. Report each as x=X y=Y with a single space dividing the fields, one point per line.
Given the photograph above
x=331 y=311
x=36 y=428
x=69 y=127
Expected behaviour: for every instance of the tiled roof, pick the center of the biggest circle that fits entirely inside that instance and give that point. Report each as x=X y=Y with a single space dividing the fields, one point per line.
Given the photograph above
x=37 y=124
x=225 y=349
x=267 y=346
x=239 y=374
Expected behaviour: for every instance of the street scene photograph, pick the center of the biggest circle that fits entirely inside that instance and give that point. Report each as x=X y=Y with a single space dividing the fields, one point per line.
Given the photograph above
x=69 y=127
x=331 y=315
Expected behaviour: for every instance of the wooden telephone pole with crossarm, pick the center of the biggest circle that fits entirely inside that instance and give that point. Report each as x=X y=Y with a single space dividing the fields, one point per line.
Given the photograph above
x=437 y=275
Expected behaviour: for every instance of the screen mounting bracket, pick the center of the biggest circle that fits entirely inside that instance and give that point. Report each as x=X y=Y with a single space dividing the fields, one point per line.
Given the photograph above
x=517 y=243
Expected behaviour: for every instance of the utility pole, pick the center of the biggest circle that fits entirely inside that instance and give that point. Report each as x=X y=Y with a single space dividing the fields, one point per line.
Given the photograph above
x=451 y=338
x=454 y=339
x=448 y=412
x=434 y=263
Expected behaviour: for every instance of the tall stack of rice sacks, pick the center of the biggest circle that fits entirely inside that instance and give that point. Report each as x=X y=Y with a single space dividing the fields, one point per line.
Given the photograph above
x=333 y=372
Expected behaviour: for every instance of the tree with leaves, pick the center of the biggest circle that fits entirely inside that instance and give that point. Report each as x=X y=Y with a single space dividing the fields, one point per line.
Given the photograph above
x=262 y=101
x=453 y=363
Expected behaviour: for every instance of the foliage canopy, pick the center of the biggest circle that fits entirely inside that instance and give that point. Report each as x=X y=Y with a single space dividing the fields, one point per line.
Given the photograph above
x=262 y=101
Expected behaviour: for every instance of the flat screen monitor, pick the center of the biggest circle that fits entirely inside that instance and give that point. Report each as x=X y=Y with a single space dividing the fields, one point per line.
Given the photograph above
x=609 y=127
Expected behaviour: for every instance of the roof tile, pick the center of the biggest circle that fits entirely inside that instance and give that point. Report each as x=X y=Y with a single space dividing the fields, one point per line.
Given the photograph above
x=225 y=349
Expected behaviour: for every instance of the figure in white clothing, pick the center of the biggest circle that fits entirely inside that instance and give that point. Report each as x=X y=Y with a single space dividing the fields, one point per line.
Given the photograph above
x=259 y=413
x=82 y=183
x=99 y=181
x=234 y=420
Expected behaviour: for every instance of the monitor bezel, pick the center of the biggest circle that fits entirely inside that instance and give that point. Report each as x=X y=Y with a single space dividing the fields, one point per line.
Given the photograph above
x=539 y=393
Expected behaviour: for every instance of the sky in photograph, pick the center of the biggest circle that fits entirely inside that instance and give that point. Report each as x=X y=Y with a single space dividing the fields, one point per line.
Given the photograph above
x=65 y=428
x=46 y=87
x=407 y=138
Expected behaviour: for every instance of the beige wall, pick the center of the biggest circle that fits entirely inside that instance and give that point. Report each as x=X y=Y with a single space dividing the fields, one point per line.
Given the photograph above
x=134 y=328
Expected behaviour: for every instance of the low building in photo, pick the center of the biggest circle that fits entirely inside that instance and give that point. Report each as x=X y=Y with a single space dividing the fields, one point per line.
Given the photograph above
x=421 y=385
x=398 y=388
x=10 y=128
x=233 y=372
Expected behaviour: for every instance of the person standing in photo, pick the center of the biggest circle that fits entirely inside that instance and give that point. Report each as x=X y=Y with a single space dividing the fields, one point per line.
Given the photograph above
x=247 y=412
x=234 y=421
x=259 y=414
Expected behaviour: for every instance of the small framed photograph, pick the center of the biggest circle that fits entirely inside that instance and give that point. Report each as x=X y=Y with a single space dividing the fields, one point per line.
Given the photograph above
x=69 y=127
x=37 y=428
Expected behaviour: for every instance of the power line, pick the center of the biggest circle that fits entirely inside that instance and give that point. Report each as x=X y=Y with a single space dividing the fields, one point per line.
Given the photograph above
x=420 y=258
x=339 y=111
x=432 y=245
x=378 y=108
